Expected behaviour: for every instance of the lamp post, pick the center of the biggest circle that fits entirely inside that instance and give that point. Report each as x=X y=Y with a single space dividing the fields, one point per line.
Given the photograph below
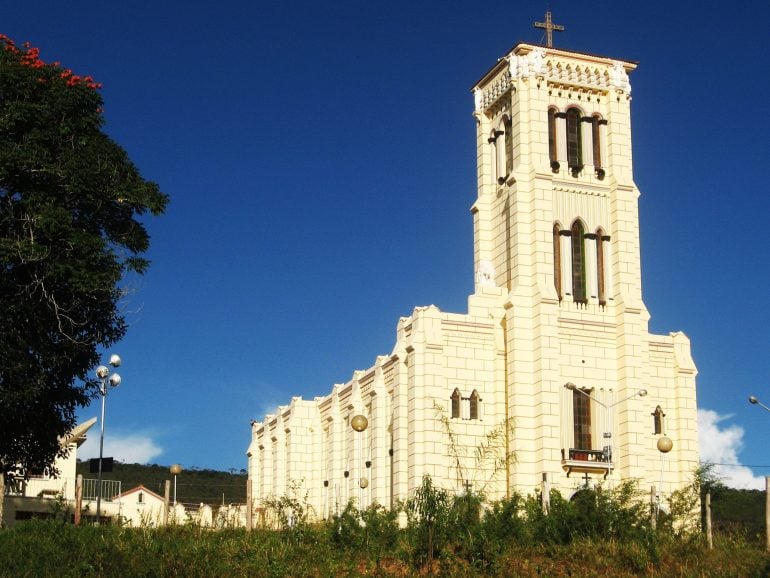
x=607 y=450
x=359 y=423
x=103 y=373
x=175 y=470
x=664 y=446
x=754 y=401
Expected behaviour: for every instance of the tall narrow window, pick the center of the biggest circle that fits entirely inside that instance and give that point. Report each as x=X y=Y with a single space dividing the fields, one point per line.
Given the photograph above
x=455 y=404
x=657 y=423
x=553 y=154
x=596 y=140
x=600 y=275
x=578 y=262
x=574 y=140
x=493 y=151
x=473 y=402
x=581 y=406
x=508 y=127
x=557 y=259
x=500 y=158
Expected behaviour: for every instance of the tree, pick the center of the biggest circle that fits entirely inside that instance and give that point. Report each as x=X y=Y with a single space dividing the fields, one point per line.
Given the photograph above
x=70 y=231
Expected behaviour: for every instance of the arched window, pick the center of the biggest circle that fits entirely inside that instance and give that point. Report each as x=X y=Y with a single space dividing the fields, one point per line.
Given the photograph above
x=657 y=422
x=578 y=262
x=455 y=403
x=473 y=402
x=553 y=151
x=557 y=259
x=600 y=265
x=574 y=140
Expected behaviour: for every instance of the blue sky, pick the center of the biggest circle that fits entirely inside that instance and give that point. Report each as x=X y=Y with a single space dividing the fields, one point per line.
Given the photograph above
x=321 y=166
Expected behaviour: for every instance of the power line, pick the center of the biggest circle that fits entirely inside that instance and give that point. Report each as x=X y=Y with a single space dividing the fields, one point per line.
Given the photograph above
x=734 y=465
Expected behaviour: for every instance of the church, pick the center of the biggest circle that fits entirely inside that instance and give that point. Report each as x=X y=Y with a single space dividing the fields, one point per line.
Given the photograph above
x=551 y=379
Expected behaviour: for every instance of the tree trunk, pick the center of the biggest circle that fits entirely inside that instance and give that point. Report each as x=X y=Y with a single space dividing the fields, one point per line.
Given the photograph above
x=2 y=496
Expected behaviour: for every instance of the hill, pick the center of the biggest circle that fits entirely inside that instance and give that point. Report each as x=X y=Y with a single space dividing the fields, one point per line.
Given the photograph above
x=193 y=485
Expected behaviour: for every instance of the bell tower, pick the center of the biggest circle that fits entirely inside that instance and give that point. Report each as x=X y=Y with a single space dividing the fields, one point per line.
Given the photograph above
x=556 y=235
x=556 y=213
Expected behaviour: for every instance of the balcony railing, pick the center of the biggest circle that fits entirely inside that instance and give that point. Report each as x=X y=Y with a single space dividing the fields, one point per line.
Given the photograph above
x=44 y=487
x=586 y=461
x=110 y=490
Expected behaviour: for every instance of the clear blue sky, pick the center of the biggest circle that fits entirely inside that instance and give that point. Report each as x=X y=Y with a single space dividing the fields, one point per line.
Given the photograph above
x=320 y=162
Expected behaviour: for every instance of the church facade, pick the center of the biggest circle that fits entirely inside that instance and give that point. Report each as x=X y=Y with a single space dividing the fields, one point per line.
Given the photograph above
x=552 y=373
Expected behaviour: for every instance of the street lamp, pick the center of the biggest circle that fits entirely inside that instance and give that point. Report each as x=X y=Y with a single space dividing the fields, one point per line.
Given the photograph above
x=359 y=423
x=175 y=470
x=103 y=373
x=755 y=401
x=607 y=450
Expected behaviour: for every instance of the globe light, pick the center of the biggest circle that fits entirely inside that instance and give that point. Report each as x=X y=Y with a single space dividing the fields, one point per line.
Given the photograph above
x=665 y=444
x=359 y=423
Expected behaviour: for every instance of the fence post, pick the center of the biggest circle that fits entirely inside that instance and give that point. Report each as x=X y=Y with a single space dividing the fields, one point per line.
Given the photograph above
x=78 y=498
x=546 y=496
x=2 y=496
x=709 y=537
x=767 y=510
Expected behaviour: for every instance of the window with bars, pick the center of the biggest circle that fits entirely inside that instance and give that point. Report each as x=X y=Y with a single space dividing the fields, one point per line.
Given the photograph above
x=574 y=140
x=578 y=262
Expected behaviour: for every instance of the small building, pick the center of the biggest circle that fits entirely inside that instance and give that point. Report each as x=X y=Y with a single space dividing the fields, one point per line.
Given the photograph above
x=141 y=507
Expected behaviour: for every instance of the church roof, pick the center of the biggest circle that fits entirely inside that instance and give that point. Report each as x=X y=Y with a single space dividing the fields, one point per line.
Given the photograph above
x=526 y=47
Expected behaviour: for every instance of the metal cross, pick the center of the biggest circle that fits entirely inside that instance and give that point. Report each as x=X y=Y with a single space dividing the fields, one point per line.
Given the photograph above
x=549 y=28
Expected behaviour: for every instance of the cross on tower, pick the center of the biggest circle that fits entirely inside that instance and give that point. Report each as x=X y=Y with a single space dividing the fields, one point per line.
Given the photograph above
x=549 y=28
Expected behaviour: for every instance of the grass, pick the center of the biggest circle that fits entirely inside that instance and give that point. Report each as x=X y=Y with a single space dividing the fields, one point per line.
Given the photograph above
x=42 y=548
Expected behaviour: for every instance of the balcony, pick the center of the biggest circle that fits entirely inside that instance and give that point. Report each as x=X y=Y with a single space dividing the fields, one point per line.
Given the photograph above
x=586 y=461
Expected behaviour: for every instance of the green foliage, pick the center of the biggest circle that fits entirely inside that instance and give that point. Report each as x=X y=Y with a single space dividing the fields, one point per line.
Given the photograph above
x=373 y=531
x=70 y=230
x=686 y=504
x=490 y=458
x=289 y=512
x=739 y=512
x=429 y=512
x=53 y=548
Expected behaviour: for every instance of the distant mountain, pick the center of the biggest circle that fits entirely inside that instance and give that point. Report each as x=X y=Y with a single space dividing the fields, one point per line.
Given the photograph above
x=193 y=485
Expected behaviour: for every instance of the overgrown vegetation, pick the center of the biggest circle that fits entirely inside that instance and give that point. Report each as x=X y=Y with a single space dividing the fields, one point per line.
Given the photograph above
x=599 y=532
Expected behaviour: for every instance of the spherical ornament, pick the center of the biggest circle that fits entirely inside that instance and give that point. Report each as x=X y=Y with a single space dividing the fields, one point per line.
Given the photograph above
x=363 y=483
x=175 y=469
x=665 y=444
x=359 y=422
